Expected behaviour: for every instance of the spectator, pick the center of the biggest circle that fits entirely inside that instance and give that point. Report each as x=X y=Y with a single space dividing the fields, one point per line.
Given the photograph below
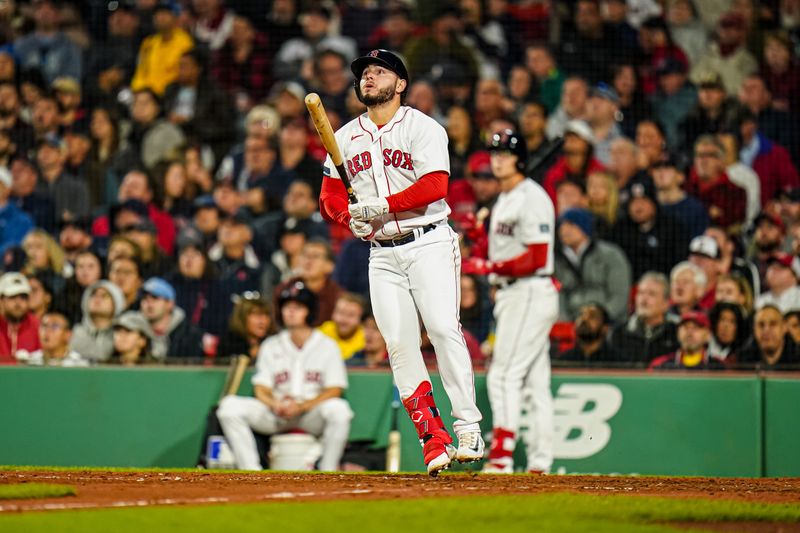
x=294 y=157
x=673 y=199
x=19 y=327
x=332 y=80
x=160 y=53
x=261 y=174
x=233 y=256
x=198 y=106
x=132 y=340
x=730 y=263
x=214 y=24
x=47 y=48
x=792 y=319
x=532 y=126
x=26 y=197
x=571 y=194
x=603 y=197
x=46 y=256
x=687 y=284
x=300 y=206
x=782 y=292
x=673 y=100
x=729 y=332
x=687 y=29
x=396 y=29
x=624 y=167
x=178 y=191
x=574 y=100
x=88 y=271
x=298 y=52
x=770 y=161
x=615 y=18
x=650 y=331
x=280 y=23
x=577 y=160
x=655 y=42
x=704 y=253
x=287 y=99
x=592 y=325
x=488 y=106
x=694 y=334
x=735 y=289
x=14 y=223
x=67 y=92
x=249 y=325
x=69 y=195
x=633 y=106
x=463 y=136
x=374 y=354
x=728 y=55
x=740 y=174
x=153 y=138
x=476 y=308
x=172 y=334
x=108 y=157
x=780 y=72
x=589 y=269
x=771 y=348
x=153 y=261
x=126 y=273
x=115 y=55
x=243 y=67
x=74 y=237
x=542 y=65
x=41 y=296
x=603 y=115
x=22 y=135
x=316 y=266
x=206 y=220
x=55 y=333
x=650 y=239
x=422 y=95
x=486 y=37
x=779 y=126
x=715 y=112
x=726 y=202
x=768 y=237
x=651 y=144
x=590 y=46
x=442 y=49
x=344 y=327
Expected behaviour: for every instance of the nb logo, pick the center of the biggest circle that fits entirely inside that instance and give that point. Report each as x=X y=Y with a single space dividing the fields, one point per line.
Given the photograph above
x=581 y=415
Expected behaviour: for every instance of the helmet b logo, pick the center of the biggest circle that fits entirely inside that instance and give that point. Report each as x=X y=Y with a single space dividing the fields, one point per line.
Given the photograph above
x=374 y=53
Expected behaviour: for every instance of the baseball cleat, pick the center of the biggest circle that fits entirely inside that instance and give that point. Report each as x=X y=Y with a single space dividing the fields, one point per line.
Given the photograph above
x=470 y=447
x=442 y=461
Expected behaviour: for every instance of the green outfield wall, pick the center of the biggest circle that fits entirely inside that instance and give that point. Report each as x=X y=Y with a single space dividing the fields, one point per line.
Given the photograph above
x=605 y=423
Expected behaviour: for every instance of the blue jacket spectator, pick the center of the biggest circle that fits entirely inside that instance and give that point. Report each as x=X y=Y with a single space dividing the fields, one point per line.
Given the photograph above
x=47 y=48
x=14 y=224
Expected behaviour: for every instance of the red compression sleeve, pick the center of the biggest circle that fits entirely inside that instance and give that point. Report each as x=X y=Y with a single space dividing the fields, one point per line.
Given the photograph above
x=429 y=188
x=525 y=264
x=333 y=201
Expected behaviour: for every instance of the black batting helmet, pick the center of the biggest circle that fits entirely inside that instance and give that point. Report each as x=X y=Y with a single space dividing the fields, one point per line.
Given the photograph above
x=298 y=292
x=382 y=57
x=510 y=141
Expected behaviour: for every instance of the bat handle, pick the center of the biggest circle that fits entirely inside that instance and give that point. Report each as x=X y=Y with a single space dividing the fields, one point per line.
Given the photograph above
x=351 y=196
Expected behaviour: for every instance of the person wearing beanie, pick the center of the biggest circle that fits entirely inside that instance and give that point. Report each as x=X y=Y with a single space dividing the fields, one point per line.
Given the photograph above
x=650 y=239
x=589 y=269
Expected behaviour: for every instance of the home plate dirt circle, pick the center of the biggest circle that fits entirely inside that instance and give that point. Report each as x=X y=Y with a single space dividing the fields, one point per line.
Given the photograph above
x=98 y=489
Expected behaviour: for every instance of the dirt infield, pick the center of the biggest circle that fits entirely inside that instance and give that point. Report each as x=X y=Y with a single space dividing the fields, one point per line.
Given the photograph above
x=135 y=489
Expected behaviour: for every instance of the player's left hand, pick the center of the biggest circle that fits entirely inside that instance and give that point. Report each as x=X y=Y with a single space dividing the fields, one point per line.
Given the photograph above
x=369 y=208
x=476 y=265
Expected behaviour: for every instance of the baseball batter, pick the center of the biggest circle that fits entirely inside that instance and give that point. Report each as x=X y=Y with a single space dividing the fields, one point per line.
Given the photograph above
x=398 y=164
x=520 y=266
x=299 y=380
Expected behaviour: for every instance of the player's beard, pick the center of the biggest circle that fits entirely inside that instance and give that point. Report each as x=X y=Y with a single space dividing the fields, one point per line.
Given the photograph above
x=384 y=96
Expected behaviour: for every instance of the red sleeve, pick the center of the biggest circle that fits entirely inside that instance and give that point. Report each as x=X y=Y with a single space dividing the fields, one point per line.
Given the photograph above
x=333 y=201
x=429 y=188
x=525 y=264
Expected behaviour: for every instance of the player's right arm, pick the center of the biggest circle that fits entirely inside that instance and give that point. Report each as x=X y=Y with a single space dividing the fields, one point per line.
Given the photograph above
x=265 y=396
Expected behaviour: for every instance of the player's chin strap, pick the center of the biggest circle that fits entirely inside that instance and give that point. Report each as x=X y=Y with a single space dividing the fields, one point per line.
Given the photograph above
x=424 y=414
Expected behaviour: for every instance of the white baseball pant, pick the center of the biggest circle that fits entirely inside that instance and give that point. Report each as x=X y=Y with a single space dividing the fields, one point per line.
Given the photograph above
x=524 y=313
x=423 y=276
x=239 y=416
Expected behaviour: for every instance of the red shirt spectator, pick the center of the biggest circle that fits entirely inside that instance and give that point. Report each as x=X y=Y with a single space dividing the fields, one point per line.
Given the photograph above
x=19 y=328
x=726 y=202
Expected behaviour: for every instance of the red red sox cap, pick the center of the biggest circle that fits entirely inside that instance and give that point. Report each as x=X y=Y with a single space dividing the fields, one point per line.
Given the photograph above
x=384 y=58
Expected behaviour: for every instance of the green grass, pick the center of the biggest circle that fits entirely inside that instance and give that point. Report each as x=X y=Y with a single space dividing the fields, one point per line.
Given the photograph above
x=558 y=512
x=20 y=491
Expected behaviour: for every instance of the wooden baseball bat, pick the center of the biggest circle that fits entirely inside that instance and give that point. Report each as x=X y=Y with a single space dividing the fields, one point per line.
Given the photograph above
x=235 y=375
x=323 y=125
x=393 y=447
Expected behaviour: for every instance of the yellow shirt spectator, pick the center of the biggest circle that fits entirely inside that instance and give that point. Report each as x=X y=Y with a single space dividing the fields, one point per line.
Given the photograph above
x=158 y=60
x=348 y=346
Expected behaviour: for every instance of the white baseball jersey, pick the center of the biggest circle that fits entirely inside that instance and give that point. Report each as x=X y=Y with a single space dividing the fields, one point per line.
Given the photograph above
x=384 y=161
x=301 y=374
x=521 y=217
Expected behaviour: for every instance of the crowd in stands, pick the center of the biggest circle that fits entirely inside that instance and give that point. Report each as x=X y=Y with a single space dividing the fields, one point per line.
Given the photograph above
x=159 y=175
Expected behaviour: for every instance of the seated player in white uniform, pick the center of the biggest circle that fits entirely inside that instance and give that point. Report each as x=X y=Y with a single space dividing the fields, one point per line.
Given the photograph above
x=299 y=381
